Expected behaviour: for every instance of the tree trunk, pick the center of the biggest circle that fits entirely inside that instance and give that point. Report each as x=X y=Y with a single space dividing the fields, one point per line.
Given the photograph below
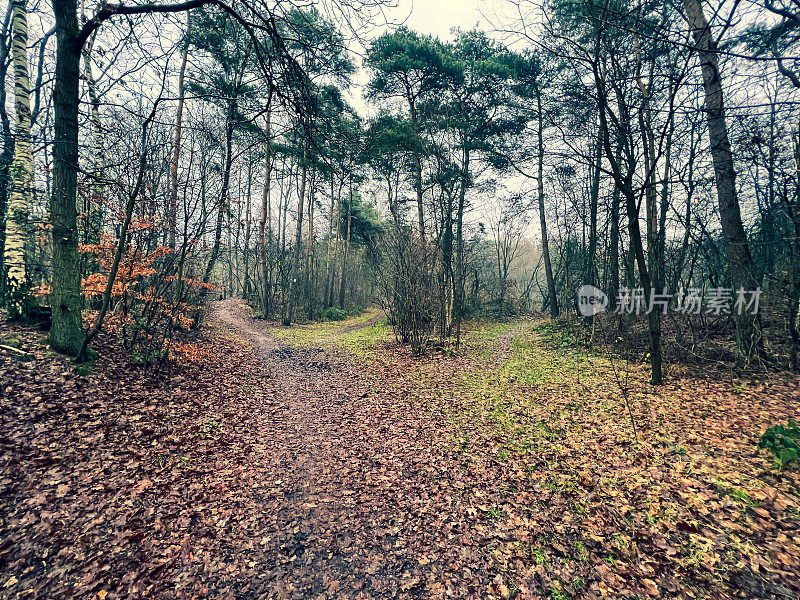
x=661 y=275
x=418 y=178
x=266 y=215
x=594 y=197
x=614 y=242
x=172 y=209
x=223 y=197
x=654 y=317
x=613 y=251
x=447 y=265
x=793 y=302
x=310 y=252
x=624 y=181
x=654 y=261
x=7 y=155
x=298 y=240
x=548 y=267
x=94 y=211
x=501 y=275
x=342 y=287
x=328 y=257
x=233 y=246
x=248 y=230
x=687 y=219
x=337 y=244
x=740 y=263
x=458 y=304
x=66 y=334
x=22 y=168
x=283 y=225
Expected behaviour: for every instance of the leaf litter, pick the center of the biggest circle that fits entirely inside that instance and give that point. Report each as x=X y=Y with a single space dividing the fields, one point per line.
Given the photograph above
x=266 y=471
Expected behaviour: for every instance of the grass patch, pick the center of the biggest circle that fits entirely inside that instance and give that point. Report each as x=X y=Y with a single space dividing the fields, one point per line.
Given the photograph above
x=489 y=331
x=531 y=362
x=482 y=341
x=723 y=488
x=311 y=334
x=556 y=334
x=361 y=342
x=496 y=390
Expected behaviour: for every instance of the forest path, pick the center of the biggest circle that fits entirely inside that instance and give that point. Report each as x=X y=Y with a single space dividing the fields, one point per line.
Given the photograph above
x=234 y=312
x=506 y=340
x=338 y=482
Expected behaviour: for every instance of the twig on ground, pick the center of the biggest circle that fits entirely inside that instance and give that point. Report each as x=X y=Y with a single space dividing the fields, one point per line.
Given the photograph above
x=13 y=350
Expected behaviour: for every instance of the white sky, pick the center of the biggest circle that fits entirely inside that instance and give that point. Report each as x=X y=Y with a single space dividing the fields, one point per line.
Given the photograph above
x=437 y=17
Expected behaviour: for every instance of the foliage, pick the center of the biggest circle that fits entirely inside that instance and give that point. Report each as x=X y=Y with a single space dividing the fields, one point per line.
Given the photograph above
x=783 y=442
x=334 y=314
x=153 y=299
x=188 y=353
x=365 y=224
x=408 y=293
x=21 y=303
x=404 y=61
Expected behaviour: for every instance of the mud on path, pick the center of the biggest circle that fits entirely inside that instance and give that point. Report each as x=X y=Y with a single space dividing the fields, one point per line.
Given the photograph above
x=347 y=485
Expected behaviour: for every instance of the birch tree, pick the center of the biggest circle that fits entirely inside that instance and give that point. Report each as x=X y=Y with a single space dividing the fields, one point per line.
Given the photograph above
x=22 y=167
x=7 y=153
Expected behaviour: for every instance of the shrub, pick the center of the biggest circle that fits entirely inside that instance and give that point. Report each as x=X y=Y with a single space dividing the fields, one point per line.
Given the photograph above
x=334 y=314
x=783 y=442
x=151 y=298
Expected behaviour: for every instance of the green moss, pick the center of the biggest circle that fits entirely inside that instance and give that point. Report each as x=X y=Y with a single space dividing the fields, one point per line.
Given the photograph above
x=84 y=369
x=557 y=594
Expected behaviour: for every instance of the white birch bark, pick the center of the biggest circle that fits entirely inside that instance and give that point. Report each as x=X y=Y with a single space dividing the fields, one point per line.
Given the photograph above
x=22 y=167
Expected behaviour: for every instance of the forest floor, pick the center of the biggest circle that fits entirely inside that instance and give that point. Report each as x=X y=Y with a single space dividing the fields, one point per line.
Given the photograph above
x=325 y=461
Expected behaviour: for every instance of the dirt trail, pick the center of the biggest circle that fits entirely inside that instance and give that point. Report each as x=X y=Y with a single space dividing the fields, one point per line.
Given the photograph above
x=234 y=313
x=506 y=340
x=342 y=495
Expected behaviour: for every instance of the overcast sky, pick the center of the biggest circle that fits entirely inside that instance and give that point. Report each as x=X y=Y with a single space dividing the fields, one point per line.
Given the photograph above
x=437 y=17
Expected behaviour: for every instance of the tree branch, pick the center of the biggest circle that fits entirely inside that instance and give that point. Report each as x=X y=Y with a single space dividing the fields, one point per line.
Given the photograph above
x=107 y=11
